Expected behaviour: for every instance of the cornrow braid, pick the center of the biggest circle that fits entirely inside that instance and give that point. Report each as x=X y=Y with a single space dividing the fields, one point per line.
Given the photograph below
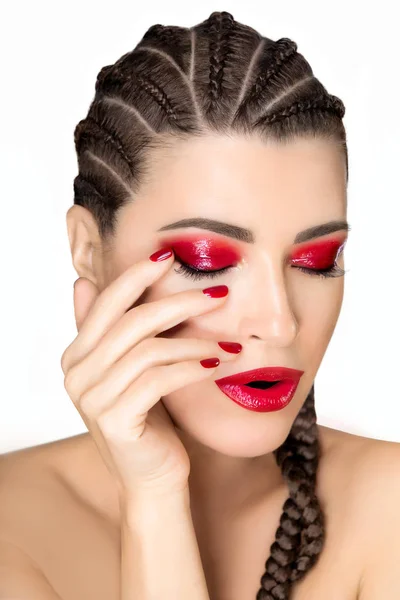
x=168 y=35
x=159 y=96
x=220 y=29
x=97 y=130
x=120 y=76
x=322 y=102
x=219 y=76
x=281 y=51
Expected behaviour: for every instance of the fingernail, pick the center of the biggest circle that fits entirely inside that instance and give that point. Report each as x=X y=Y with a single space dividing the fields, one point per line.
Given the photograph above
x=216 y=291
x=232 y=347
x=160 y=255
x=208 y=363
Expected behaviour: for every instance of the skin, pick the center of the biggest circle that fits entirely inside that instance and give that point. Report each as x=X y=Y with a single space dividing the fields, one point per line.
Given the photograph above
x=290 y=317
x=60 y=495
x=280 y=315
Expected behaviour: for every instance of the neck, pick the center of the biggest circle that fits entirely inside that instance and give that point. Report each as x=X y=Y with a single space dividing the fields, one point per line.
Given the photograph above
x=219 y=482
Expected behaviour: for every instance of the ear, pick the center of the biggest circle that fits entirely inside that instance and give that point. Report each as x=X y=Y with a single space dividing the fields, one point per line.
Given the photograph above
x=85 y=244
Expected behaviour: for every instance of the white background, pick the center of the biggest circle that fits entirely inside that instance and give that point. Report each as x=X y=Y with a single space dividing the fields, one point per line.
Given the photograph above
x=50 y=54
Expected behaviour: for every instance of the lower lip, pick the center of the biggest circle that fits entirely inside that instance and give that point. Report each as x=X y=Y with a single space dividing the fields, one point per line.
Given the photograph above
x=274 y=398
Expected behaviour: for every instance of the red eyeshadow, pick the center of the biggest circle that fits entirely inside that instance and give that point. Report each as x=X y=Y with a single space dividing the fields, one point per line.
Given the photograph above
x=203 y=253
x=318 y=255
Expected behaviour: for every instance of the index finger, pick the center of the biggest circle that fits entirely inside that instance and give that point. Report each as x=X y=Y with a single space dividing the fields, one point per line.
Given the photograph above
x=113 y=302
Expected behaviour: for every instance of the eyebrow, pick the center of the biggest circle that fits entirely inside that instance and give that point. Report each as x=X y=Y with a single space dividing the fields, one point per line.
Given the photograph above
x=247 y=235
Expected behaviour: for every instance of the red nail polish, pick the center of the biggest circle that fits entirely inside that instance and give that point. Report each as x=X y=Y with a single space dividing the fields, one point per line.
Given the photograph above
x=208 y=363
x=232 y=347
x=216 y=291
x=161 y=255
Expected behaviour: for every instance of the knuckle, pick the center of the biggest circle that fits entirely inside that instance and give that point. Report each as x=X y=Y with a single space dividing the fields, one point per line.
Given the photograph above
x=112 y=425
x=146 y=344
x=145 y=347
x=70 y=383
x=88 y=401
x=134 y=316
x=151 y=378
x=149 y=346
x=106 y=422
x=65 y=360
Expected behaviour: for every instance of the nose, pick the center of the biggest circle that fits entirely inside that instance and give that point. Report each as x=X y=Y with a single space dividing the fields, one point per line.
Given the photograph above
x=265 y=311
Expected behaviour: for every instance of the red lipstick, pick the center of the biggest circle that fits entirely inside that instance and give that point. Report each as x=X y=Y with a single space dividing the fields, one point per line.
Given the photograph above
x=261 y=390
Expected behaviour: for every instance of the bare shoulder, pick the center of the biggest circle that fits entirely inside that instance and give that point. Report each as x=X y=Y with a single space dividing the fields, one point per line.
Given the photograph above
x=374 y=489
x=49 y=518
x=354 y=479
x=364 y=467
x=27 y=494
x=362 y=475
x=367 y=460
x=33 y=497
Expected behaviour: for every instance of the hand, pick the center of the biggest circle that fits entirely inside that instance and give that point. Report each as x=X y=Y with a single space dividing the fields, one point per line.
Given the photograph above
x=116 y=371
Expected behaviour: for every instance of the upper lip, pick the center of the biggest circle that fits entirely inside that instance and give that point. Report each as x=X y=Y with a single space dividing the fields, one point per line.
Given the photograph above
x=265 y=374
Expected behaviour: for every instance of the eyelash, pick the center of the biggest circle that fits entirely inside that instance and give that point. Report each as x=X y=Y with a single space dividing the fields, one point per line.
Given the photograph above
x=196 y=274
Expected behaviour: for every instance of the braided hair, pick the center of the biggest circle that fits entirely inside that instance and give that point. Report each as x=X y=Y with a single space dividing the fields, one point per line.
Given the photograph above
x=219 y=76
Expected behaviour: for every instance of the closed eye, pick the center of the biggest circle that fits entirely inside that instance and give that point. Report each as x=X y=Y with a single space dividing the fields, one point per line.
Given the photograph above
x=196 y=274
x=332 y=271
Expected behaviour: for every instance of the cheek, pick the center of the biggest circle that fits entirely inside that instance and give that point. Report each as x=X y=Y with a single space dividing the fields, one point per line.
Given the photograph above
x=320 y=312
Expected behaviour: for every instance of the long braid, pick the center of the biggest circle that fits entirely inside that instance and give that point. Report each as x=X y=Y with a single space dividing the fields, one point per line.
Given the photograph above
x=182 y=82
x=299 y=538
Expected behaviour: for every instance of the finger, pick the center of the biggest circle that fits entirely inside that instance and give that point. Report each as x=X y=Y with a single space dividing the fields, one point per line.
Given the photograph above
x=147 y=320
x=125 y=419
x=110 y=304
x=109 y=381
x=85 y=293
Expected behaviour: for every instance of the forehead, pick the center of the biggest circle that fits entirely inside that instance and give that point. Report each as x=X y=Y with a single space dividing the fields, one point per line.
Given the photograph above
x=247 y=182
x=219 y=164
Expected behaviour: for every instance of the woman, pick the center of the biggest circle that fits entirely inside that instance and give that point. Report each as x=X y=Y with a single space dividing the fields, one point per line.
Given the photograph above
x=216 y=153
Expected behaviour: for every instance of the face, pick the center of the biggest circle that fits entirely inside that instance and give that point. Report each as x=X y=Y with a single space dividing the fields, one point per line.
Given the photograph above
x=281 y=313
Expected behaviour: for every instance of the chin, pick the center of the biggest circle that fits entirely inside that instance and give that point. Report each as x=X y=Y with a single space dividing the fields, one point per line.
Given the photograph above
x=221 y=425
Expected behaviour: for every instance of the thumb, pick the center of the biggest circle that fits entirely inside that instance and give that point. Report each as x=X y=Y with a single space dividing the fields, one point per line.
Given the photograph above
x=85 y=294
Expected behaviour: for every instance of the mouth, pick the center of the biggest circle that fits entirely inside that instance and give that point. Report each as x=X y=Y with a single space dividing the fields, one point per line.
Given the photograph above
x=261 y=385
x=262 y=390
